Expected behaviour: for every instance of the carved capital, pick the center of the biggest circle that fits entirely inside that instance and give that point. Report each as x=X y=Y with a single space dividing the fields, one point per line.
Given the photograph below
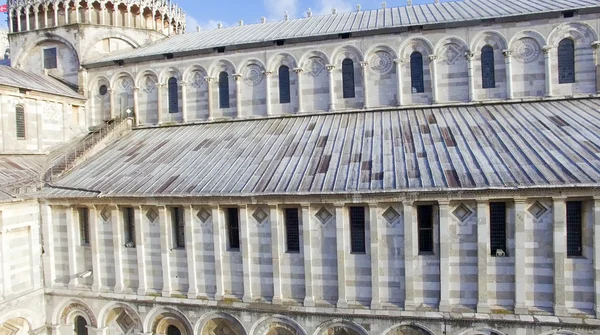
x=433 y=58
x=298 y=70
x=469 y=54
x=237 y=76
x=595 y=44
x=208 y=79
x=330 y=67
x=364 y=64
x=267 y=73
x=546 y=49
x=399 y=61
x=507 y=53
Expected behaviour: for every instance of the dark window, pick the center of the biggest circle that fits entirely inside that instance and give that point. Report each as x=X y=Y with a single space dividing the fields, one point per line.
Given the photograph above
x=15 y=24
x=357 y=230
x=284 y=85
x=80 y=326
x=50 y=58
x=488 y=76
x=178 y=227
x=223 y=90
x=416 y=72
x=498 y=228
x=233 y=228
x=568 y=14
x=84 y=226
x=348 y=78
x=566 y=61
x=574 y=238
x=425 y=222
x=292 y=230
x=103 y=90
x=129 y=225
x=20 y=122
x=172 y=330
x=173 y=95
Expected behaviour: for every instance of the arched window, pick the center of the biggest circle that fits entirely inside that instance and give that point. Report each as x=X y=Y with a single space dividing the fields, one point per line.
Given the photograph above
x=20 y=122
x=348 y=78
x=80 y=326
x=416 y=72
x=173 y=96
x=488 y=77
x=566 y=61
x=223 y=90
x=284 y=85
x=172 y=330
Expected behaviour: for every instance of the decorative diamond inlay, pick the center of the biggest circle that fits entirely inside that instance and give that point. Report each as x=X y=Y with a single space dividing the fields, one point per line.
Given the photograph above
x=324 y=215
x=538 y=210
x=391 y=215
x=260 y=215
x=152 y=214
x=105 y=214
x=203 y=215
x=462 y=212
x=126 y=322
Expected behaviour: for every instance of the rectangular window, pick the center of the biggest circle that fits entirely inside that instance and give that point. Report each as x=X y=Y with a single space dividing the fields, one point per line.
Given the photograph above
x=292 y=230
x=233 y=228
x=498 y=228
x=129 y=226
x=178 y=227
x=20 y=122
x=425 y=222
x=574 y=227
x=84 y=226
x=50 y=58
x=357 y=230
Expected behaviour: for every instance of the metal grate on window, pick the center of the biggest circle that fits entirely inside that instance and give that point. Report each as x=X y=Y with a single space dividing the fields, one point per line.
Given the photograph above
x=292 y=230
x=223 y=90
x=488 y=76
x=416 y=72
x=498 y=228
x=566 y=61
x=129 y=220
x=178 y=227
x=348 y=78
x=84 y=226
x=50 y=61
x=173 y=95
x=284 y=85
x=357 y=230
x=574 y=234
x=20 y=122
x=233 y=228
x=425 y=222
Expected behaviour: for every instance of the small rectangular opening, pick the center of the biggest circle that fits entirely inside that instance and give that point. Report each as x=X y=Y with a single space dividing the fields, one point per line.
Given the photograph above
x=568 y=14
x=169 y=56
x=120 y=62
x=280 y=42
x=344 y=35
x=221 y=50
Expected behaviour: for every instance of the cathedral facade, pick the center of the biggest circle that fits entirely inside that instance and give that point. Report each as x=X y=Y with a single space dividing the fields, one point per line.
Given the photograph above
x=423 y=169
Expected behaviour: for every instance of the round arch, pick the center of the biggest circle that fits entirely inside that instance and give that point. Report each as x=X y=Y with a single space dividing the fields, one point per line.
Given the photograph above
x=527 y=33
x=114 y=310
x=188 y=73
x=355 y=328
x=118 y=81
x=71 y=308
x=23 y=52
x=577 y=30
x=169 y=72
x=488 y=37
x=250 y=61
x=404 y=328
x=283 y=58
x=24 y=314
x=482 y=331
x=347 y=51
x=99 y=38
x=304 y=60
x=142 y=75
x=449 y=40
x=559 y=332
x=420 y=44
x=208 y=323
x=160 y=318
x=268 y=323
x=221 y=65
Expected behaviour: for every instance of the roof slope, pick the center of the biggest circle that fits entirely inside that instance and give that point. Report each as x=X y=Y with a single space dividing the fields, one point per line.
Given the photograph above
x=358 y=21
x=534 y=144
x=10 y=76
x=20 y=174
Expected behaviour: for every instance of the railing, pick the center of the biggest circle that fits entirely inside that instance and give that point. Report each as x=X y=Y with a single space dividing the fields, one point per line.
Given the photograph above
x=68 y=160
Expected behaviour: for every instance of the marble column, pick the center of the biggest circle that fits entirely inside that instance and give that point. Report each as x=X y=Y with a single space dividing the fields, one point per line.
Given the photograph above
x=66 y=7
x=118 y=228
x=209 y=92
x=55 y=9
x=27 y=25
x=364 y=66
x=190 y=250
x=548 y=65
x=399 y=62
x=140 y=246
x=560 y=254
x=509 y=83
x=103 y=12
x=268 y=91
x=97 y=248
x=520 y=256
x=77 y=6
x=111 y=95
x=19 y=24
x=136 y=105
x=445 y=249
x=72 y=243
x=411 y=238
x=246 y=251
x=184 y=107
x=10 y=21
x=90 y=11
x=165 y=222
x=36 y=11
x=433 y=69
x=483 y=252
x=469 y=56
x=341 y=239
x=596 y=257
x=45 y=16
x=238 y=94
x=375 y=256
x=307 y=227
x=298 y=72
x=596 y=46
x=129 y=15
x=219 y=234
x=277 y=249
x=331 y=74
x=159 y=87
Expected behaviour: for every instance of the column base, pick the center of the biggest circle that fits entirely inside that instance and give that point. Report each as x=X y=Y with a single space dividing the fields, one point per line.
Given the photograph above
x=483 y=308
x=375 y=304
x=521 y=309
x=247 y=299
x=342 y=303
x=597 y=310
x=118 y=289
x=218 y=297
x=410 y=306
x=166 y=294
x=444 y=306
x=192 y=294
x=560 y=310
x=309 y=302
x=277 y=301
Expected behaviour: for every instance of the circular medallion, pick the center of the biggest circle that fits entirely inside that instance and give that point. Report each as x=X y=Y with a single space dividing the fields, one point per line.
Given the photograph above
x=253 y=75
x=527 y=50
x=381 y=62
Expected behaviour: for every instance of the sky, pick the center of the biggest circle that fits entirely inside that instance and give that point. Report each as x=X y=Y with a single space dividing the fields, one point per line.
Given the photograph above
x=208 y=13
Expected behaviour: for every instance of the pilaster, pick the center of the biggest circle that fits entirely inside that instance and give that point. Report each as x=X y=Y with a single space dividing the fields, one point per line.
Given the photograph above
x=96 y=247
x=277 y=249
x=136 y=105
x=210 y=96
x=164 y=220
x=48 y=256
x=445 y=248
x=330 y=71
x=72 y=242
x=298 y=72
x=410 y=252
x=596 y=248
x=118 y=244
x=375 y=256
x=307 y=223
x=140 y=233
x=159 y=87
x=111 y=94
x=219 y=242
x=184 y=107
x=560 y=254
x=433 y=69
x=520 y=256
x=190 y=250
x=268 y=91
x=364 y=65
x=246 y=251
x=483 y=250
x=238 y=94
x=509 y=83
x=469 y=56
x=399 y=62
x=341 y=239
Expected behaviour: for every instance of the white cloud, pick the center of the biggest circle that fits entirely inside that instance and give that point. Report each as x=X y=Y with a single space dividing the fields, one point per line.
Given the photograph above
x=325 y=6
x=276 y=8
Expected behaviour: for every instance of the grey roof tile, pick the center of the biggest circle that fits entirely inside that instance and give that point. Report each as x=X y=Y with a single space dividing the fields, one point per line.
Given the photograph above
x=23 y=79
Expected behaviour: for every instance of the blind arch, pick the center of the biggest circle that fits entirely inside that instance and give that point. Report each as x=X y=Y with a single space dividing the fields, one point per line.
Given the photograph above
x=348 y=88
x=488 y=76
x=566 y=61
x=223 y=90
x=173 y=95
x=416 y=72
x=284 y=85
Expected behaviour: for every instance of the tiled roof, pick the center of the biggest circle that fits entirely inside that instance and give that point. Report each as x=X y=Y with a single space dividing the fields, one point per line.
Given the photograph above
x=358 y=21
x=520 y=145
x=20 y=173
x=23 y=79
